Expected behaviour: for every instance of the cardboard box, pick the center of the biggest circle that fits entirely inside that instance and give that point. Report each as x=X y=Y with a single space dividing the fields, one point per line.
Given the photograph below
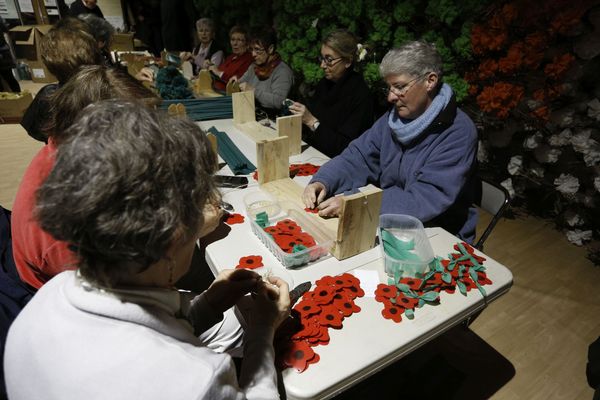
x=27 y=39
x=11 y=110
x=39 y=72
x=122 y=42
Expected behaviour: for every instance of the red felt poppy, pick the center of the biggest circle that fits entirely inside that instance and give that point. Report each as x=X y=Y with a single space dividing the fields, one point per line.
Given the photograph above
x=250 y=262
x=392 y=311
x=234 y=218
x=326 y=281
x=271 y=230
x=307 y=307
x=469 y=284
x=413 y=283
x=255 y=175
x=323 y=294
x=306 y=239
x=312 y=210
x=309 y=328
x=298 y=355
x=350 y=279
x=387 y=291
x=330 y=316
x=483 y=279
x=353 y=292
x=405 y=301
x=346 y=306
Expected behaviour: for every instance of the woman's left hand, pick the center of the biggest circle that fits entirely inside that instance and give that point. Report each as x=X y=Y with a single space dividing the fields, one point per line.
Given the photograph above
x=300 y=109
x=229 y=287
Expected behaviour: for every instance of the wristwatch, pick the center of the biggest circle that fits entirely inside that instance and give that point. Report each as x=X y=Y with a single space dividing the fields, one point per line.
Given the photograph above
x=315 y=125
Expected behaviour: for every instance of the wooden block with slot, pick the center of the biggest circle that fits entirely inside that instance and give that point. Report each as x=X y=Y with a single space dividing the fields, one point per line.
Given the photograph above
x=243 y=107
x=213 y=144
x=358 y=223
x=272 y=159
x=203 y=85
x=232 y=87
x=291 y=126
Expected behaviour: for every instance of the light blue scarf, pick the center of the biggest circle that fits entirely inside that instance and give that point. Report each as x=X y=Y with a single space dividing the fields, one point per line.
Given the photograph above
x=408 y=130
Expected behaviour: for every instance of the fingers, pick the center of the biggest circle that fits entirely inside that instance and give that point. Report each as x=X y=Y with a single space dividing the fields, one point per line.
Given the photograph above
x=309 y=197
x=321 y=195
x=330 y=207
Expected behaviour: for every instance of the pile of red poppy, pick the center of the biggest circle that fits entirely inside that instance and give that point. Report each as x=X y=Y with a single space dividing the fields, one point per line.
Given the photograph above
x=289 y=236
x=463 y=270
x=326 y=306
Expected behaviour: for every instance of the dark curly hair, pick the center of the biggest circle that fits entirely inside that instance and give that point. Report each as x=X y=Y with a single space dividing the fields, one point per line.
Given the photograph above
x=126 y=181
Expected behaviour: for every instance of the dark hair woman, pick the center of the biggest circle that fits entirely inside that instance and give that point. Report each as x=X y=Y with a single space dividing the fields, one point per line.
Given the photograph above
x=341 y=108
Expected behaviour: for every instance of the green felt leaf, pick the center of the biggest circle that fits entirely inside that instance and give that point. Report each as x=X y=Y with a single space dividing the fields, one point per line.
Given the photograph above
x=430 y=296
x=403 y=288
x=481 y=289
x=298 y=248
x=473 y=274
x=461 y=287
x=451 y=265
x=421 y=303
x=410 y=314
x=446 y=277
x=388 y=237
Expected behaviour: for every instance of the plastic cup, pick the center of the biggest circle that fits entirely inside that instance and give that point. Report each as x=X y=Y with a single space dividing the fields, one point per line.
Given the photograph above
x=261 y=201
x=404 y=246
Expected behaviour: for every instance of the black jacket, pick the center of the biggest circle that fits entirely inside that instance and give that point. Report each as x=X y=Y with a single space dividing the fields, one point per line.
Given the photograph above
x=344 y=110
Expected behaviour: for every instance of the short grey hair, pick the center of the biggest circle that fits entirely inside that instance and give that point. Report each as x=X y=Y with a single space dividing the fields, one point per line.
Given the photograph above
x=414 y=59
x=207 y=22
x=100 y=28
x=126 y=182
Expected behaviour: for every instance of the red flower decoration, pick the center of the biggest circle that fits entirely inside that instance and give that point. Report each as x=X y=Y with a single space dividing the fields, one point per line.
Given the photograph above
x=412 y=283
x=250 y=262
x=312 y=210
x=405 y=301
x=323 y=294
x=255 y=175
x=353 y=292
x=483 y=279
x=231 y=219
x=331 y=316
x=346 y=306
x=307 y=307
x=298 y=355
x=392 y=311
x=387 y=291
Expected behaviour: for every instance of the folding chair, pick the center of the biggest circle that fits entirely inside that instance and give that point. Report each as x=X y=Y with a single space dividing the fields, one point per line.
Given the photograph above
x=493 y=199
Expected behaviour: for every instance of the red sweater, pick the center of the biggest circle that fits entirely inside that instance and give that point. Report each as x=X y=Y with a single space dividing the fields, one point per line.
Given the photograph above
x=233 y=65
x=38 y=256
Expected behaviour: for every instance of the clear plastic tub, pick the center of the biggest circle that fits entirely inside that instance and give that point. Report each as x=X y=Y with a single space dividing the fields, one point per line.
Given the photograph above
x=413 y=252
x=291 y=260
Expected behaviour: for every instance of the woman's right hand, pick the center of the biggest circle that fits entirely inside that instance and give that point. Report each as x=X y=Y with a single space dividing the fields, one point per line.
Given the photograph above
x=271 y=303
x=212 y=218
x=314 y=194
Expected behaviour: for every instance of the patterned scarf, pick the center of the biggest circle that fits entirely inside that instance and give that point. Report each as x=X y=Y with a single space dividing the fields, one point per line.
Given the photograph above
x=263 y=72
x=406 y=131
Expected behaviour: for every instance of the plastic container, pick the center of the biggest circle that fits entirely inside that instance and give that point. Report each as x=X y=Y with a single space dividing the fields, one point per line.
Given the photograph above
x=404 y=246
x=292 y=260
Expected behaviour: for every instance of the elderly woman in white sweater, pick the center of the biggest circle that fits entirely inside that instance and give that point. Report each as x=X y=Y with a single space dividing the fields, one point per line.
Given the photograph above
x=131 y=191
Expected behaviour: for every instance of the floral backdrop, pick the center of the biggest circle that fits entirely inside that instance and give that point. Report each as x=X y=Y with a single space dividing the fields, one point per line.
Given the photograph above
x=526 y=72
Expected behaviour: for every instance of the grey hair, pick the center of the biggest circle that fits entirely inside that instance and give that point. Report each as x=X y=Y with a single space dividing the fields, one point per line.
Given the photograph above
x=414 y=59
x=209 y=23
x=125 y=184
x=100 y=28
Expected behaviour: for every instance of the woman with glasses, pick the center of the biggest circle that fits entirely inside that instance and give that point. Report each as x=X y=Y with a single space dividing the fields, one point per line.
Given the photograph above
x=208 y=52
x=269 y=77
x=422 y=152
x=342 y=105
x=237 y=62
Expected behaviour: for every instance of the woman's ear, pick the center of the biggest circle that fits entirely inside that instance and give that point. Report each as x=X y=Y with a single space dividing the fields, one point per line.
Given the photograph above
x=432 y=81
x=271 y=49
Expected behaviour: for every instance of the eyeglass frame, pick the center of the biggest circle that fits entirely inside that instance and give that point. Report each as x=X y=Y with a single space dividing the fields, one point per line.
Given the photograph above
x=328 y=62
x=401 y=91
x=258 y=51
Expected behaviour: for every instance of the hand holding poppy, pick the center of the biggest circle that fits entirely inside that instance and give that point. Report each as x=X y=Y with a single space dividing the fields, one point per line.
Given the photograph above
x=229 y=286
x=300 y=109
x=314 y=194
x=271 y=304
x=212 y=215
x=331 y=207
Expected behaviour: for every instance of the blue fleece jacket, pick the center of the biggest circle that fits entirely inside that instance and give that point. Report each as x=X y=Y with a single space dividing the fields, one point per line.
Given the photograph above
x=431 y=178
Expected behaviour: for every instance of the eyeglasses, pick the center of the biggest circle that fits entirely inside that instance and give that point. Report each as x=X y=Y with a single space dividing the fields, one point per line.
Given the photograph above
x=258 y=50
x=329 y=61
x=403 y=89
